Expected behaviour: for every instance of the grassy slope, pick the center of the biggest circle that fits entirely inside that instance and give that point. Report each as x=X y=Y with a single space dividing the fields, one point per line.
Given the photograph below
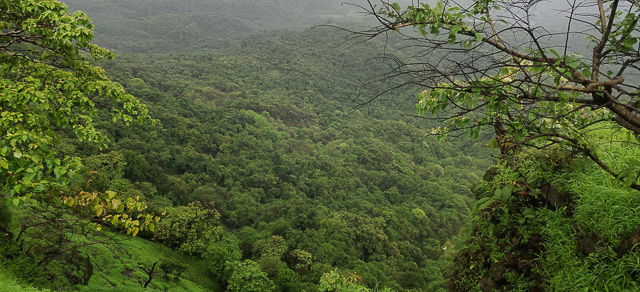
x=523 y=243
x=10 y=283
x=119 y=268
x=116 y=265
x=606 y=211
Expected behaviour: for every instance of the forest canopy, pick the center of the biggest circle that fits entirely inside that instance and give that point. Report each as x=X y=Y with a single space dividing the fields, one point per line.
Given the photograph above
x=267 y=176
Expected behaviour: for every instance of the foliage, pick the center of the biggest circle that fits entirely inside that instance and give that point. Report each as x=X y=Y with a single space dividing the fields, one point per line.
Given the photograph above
x=20 y=266
x=200 y=25
x=50 y=91
x=577 y=235
x=334 y=281
x=263 y=134
x=53 y=229
x=292 y=163
x=47 y=85
x=119 y=267
x=288 y=281
x=190 y=229
x=270 y=247
x=172 y=268
x=536 y=85
x=10 y=284
x=248 y=277
x=303 y=259
x=222 y=256
x=271 y=265
x=606 y=211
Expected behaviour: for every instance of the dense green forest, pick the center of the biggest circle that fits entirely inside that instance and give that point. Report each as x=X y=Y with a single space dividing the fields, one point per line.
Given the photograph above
x=268 y=172
x=246 y=156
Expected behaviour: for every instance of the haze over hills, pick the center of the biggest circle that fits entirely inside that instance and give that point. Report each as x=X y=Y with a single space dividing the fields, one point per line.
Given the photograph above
x=176 y=25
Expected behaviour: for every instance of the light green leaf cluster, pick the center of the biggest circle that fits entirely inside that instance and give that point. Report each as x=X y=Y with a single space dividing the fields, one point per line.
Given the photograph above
x=47 y=84
x=352 y=282
x=190 y=229
x=248 y=277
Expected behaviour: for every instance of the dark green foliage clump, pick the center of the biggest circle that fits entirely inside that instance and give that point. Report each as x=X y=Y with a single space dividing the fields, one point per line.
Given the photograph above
x=13 y=262
x=172 y=269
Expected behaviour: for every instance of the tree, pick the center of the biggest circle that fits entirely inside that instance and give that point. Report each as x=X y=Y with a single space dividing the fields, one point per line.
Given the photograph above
x=490 y=64
x=51 y=222
x=190 y=229
x=49 y=87
x=273 y=246
x=288 y=281
x=247 y=276
x=222 y=256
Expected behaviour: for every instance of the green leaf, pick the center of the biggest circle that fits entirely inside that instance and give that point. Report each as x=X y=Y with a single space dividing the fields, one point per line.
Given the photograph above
x=26 y=183
x=506 y=193
x=69 y=201
x=115 y=203
x=573 y=64
x=99 y=210
x=485 y=204
x=455 y=29
x=630 y=41
x=39 y=187
x=497 y=194
x=439 y=8
x=493 y=143
x=478 y=203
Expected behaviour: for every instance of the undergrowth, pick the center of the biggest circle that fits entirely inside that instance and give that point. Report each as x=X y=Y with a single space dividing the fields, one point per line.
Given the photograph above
x=11 y=283
x=555 y=221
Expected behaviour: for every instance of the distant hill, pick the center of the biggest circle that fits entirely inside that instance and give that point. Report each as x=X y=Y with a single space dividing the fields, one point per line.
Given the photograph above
x=176 y=25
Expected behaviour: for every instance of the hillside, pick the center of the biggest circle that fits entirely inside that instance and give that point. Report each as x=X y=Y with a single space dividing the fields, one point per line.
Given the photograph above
x=268 y=172
x=162 y=26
